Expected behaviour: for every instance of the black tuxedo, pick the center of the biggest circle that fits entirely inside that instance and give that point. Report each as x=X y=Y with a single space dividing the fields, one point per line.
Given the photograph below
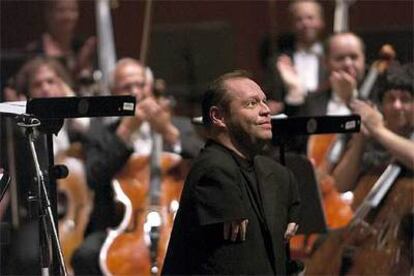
x=219 y=189
x=273 y=83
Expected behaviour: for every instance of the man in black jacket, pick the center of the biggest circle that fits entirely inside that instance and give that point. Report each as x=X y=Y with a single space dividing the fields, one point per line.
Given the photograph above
x=238 y=207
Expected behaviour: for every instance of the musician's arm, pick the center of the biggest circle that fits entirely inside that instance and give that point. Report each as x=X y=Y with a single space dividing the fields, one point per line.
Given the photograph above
x=374 y=124
x=348 y=169
x=171 y=135
x=106 y=154
x=400 y=147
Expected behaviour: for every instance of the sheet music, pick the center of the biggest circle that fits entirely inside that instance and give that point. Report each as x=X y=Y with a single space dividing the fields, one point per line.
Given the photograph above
x=16 y=107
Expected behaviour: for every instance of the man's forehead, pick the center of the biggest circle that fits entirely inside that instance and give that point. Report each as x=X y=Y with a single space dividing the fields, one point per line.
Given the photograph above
x=45 y=71
x=242 y=87
x=345 y=41
x=131 y=70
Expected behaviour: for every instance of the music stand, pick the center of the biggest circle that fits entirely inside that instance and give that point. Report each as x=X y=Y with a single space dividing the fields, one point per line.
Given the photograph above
x=46 y=115
x=283 y=128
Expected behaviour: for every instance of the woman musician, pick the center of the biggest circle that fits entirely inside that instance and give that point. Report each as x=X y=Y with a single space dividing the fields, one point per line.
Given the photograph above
x=384 y=136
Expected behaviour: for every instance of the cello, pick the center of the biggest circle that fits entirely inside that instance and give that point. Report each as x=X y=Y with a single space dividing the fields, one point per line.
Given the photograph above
x=76 y=199
x=326 y=149
x=149 y=187
x=337 y=210
x=375 y=241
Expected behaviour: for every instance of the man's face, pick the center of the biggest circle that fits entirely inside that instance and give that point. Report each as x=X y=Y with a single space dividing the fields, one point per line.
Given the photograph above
x=346 y=54
x=45 y=83
x=130 y=79
x=307 y=22
x=248 y=117
x=64 y=15
x=398 y=110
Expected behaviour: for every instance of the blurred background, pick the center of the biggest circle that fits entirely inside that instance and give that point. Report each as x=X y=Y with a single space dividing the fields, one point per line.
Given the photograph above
x=191 y=42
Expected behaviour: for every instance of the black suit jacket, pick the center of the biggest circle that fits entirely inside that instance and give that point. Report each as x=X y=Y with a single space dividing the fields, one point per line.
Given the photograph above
x=273 y=83
x=216 y=191
x=316 y=104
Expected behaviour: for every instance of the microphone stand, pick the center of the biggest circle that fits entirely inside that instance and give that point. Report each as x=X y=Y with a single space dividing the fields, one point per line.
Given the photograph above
x=48 y=235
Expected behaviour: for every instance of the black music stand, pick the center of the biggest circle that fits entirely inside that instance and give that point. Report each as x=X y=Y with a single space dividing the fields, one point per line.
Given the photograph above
x=46 y=115
x=283 y=129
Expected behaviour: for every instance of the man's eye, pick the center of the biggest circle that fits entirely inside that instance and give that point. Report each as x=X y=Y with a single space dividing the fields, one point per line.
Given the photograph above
x=251 y=103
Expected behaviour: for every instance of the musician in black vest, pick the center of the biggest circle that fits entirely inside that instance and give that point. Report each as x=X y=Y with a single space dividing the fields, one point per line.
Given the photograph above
x=238 y=207
x=385 y=136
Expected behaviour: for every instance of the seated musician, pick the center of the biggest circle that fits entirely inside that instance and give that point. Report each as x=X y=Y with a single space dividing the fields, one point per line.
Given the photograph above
x=383 y=137
x=345 y=64
x=113 y=144
x=297 y=68
x=345 y=61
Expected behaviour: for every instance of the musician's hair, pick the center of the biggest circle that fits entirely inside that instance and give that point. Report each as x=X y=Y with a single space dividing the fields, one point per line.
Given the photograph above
x=217 y=94
x=120 y=65
x=328 y=41
x=25 y=75
x=49 y=5
x=292 y=7
x=397 y=76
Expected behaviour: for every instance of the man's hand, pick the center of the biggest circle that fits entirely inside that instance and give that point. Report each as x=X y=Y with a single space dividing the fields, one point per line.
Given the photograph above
x=291 y=230
x=291 y=79
x=343 y=84
x=235 y=228
x=84 y=59
x=372 y=120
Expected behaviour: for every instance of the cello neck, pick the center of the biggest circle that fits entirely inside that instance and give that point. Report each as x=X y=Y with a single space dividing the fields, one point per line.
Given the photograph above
x=386 y=56
x=341 y=15
x=155 y=169
x=106 y=45
x=377 y=192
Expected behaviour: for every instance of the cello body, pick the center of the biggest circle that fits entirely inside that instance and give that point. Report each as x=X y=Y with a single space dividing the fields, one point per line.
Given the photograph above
x=138 y=245
x=376 y=244
x=74 y=194
x=338 y=211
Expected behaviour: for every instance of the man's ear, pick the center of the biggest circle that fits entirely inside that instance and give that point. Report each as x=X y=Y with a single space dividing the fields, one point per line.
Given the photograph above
x=217 y=116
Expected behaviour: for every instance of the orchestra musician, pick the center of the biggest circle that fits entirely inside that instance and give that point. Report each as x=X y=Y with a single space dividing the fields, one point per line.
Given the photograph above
x=385 y=131
x=39 y=77
x=110 y=147
x=297 y=68
x=345 y=63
